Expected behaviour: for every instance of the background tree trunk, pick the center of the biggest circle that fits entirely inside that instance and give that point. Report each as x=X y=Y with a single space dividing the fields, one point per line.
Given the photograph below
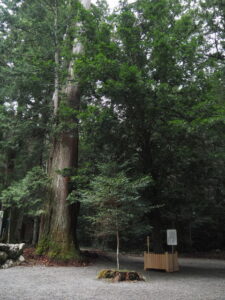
x=156 y=232
x=35 y=231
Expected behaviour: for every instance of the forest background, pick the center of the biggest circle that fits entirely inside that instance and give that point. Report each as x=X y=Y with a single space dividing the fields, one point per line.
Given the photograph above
x=140 y=92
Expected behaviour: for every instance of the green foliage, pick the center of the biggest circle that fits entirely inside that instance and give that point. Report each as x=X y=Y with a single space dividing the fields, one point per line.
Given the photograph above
x=27 y=194
x=115 y=200
x=152 y=90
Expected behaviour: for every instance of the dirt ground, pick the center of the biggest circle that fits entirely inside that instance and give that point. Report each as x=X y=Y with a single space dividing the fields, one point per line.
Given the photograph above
x=197 y=279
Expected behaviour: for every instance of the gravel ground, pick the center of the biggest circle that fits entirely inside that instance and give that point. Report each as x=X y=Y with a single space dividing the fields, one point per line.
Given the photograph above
x=198 y=279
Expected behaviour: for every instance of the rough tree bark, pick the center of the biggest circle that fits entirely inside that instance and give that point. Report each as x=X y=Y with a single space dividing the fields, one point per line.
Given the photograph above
x=58 y=225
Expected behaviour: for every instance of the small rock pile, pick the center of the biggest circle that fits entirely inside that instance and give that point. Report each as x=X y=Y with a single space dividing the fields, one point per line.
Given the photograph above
x=11 y=255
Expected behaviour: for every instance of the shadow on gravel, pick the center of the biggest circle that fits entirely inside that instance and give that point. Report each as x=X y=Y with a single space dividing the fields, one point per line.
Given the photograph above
x=203 y=268
x=202 y=272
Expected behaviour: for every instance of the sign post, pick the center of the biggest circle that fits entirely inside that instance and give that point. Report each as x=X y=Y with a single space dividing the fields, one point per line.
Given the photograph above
x=172 y=240
x=171 y=237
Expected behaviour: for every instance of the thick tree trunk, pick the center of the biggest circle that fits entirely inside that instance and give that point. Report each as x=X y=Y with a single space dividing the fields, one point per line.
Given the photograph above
x=58 y=225
x=154 y=192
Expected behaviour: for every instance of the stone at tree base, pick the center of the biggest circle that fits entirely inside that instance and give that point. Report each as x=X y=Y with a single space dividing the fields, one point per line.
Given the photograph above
x=11 y=255
x=4 y=247
x=9 y=263
x=13 y=250
x=3 y=257
x=127 y=276
x=21 y=259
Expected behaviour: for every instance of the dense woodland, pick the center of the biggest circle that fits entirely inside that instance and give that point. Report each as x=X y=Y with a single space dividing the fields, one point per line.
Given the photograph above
x=112 y=124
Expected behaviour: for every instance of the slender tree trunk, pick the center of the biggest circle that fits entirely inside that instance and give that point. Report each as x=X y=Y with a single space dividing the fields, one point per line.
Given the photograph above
x=117 y=244
x=58 y=225
x=190 y=241
x=57 y=62
x=9 y=226
x=10 y=159
x=117 y=250
x=35 y=231
x=18 y=225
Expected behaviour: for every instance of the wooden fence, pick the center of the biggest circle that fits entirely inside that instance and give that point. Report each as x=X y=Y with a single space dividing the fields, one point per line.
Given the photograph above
x=166 y=261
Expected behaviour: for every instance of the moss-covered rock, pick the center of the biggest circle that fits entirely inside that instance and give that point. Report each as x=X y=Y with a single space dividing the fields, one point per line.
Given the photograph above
x=10 y=255
x=120 y=275
x=106 y=274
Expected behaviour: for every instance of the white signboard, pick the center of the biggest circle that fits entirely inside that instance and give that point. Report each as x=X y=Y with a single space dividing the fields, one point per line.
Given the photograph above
x=171 y=237
x=1 y=219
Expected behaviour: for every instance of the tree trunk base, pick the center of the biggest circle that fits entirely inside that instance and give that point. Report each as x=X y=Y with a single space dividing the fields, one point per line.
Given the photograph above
x=58 y=251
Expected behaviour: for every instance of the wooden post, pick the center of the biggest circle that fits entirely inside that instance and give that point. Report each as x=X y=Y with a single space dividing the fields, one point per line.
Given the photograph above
x=148 y=243
x=145 y=261
x=9 y=226
x=172 y=257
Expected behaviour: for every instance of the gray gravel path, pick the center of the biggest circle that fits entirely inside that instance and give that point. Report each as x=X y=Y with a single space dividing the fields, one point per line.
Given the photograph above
x=198 y=279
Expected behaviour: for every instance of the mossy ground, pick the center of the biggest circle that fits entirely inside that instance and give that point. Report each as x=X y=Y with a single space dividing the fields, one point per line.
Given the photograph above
x=32 y=258
x=58 y=252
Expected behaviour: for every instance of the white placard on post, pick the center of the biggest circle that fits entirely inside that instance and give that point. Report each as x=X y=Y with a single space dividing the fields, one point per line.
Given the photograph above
x=1 y=220
x=171 y=237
